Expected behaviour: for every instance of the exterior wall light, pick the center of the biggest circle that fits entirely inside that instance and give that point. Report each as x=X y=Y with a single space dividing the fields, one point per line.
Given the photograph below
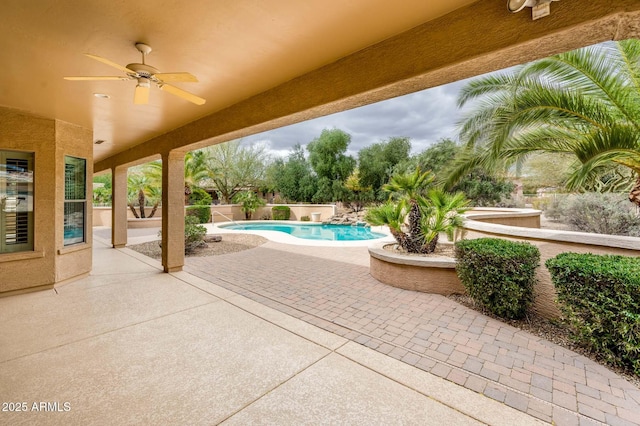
x=539 y=8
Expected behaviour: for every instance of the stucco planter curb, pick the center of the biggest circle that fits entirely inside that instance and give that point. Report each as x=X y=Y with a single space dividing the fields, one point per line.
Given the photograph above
x=425 y=274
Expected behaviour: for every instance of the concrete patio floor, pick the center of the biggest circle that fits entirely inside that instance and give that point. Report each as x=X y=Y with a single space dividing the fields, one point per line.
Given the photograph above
x=132 y=345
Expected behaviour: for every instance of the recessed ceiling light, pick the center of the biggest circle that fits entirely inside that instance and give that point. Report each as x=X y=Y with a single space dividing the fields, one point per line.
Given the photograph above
x=101 y=95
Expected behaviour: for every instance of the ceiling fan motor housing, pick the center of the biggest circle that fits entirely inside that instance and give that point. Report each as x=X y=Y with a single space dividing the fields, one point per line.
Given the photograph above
x=143 y=70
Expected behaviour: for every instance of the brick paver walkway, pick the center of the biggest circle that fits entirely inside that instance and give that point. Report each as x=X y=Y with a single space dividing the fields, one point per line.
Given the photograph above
x=332 y=289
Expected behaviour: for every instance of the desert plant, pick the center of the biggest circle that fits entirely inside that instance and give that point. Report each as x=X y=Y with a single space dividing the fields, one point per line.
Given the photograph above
x=600 y=297
x=144 y=187
x=203 y=213
x=498 y=274
x=280 y=212
x=599 y=213
x=193 y=234
x=416 y=220
x=554 y=208
x=250 y=202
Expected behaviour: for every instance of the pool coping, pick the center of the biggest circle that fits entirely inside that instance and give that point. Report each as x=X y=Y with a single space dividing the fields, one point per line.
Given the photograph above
x=283 y=237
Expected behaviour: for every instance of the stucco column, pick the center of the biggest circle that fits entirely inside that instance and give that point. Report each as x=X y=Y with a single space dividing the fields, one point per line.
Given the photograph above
x=172 y=211
x=119 y=206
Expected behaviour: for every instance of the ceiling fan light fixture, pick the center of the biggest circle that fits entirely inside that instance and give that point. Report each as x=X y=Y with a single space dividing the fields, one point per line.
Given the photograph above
x=143 y=82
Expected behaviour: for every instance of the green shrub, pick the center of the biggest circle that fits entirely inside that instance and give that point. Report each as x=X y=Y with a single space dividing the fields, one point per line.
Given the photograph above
x=202 y=213
x=250 y=202
x=600 y=298
x=498 y=274
x=199 y=197
x=305 y=219
x=280 y=212
x=193 y=233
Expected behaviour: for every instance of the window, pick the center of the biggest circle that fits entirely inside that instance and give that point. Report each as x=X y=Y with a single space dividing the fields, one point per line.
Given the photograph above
x=16 y=201
x=75 y=202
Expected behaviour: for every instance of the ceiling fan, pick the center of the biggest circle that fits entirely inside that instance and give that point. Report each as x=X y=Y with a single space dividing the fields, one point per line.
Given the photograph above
x=145 y=75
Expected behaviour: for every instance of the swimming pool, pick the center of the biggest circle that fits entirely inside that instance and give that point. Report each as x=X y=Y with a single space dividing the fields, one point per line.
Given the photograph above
x=311 y=232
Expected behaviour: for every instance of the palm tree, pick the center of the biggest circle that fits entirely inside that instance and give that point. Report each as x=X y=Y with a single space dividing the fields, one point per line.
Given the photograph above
x=144 y=185
x=584 y=102
x=392 y=215
x=443 y=214
x=409 y=188
x=427 y=216
x=196 y=170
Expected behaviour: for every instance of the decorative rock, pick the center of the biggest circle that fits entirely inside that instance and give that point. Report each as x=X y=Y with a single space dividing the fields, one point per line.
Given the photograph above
x=347 y=218
x=213 y=238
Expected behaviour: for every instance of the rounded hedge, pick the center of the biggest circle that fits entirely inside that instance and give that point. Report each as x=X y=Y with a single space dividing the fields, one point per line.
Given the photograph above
x=498 y=274
x=203 y=213
x=600 y=297
x=280 y=212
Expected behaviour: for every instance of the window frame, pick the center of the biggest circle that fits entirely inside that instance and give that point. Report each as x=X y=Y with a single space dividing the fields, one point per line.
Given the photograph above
x=23 y=188
x=74 y=166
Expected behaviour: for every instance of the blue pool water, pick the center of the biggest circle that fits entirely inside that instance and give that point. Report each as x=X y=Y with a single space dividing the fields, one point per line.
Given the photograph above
x=312 y=232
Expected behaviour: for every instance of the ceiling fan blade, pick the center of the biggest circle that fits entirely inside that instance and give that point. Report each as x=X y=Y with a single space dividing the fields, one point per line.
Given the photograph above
x=110 y=63
x=183 y=94
x=96 y=78
x=182 y=77
x=141 y=95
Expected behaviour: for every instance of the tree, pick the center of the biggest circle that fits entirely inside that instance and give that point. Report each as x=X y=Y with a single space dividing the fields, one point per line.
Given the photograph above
x=409 y=190
x=233 y=168
x=435 y=158
x=196 y=170
x=545 y=171
x=331 y=165
x=294 y=179
x=376 y=162
x=102 y=194
x=583 y=103
x=250 y=202
x=358 y=194
x=427 y=211
x=480 y=186
x=144 y=186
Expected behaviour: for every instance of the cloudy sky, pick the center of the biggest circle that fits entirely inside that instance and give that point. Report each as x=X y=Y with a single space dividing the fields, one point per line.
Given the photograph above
x=425 y=117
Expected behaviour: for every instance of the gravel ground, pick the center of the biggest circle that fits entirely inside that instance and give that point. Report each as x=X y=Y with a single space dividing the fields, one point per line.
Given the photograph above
x=231 y=243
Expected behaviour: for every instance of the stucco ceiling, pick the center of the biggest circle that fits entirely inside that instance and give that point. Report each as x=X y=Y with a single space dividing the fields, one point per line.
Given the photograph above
x=236 y=49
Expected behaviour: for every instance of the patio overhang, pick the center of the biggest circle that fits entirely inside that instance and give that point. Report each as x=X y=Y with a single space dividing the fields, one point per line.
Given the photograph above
x=260 y=66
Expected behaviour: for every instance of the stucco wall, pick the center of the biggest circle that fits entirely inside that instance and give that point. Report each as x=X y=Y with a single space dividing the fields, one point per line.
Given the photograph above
x=50 y=141
x=428 y=275
x=75 y=260
x=525 y=218
x=102 y=215
x=234 y=212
